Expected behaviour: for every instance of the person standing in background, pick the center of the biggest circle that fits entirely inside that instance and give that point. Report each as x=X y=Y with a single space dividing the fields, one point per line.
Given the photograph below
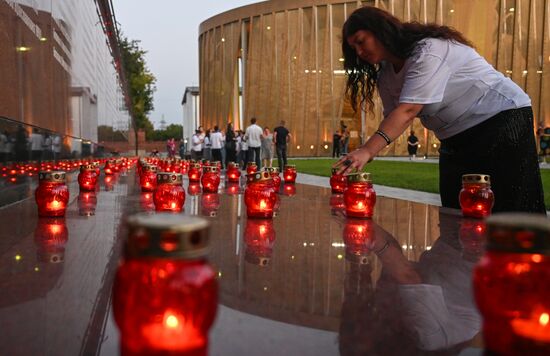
x=207 y=147
x=412 y=145
x=267 y=147
x=37 y=145
x=281 y=136
x=230 y=145
x=253 y=136
x=196 y=145
x=216 y=140
x=336 y=139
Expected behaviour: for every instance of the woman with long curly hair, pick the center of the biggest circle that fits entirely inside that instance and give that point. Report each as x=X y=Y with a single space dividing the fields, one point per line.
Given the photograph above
x=483 y=119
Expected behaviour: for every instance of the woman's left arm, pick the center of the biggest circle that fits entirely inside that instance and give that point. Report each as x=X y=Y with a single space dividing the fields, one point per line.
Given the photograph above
x=392 y=126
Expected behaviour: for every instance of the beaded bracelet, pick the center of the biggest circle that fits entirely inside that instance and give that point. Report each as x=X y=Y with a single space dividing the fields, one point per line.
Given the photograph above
x=383 y=249
x=384 y=136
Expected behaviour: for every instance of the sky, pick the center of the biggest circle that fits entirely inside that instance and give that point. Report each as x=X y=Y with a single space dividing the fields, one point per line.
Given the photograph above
x=168 y=31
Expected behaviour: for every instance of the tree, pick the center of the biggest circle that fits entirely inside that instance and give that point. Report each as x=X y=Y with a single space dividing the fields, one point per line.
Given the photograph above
x=141 y=82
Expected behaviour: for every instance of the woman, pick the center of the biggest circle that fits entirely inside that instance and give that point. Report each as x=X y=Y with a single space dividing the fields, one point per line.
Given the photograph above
x=230 y=145
x=267 y=147
x=207 y=147
x=483 y=120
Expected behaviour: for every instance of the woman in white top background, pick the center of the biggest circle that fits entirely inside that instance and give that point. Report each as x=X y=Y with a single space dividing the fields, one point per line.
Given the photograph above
x=483 y=119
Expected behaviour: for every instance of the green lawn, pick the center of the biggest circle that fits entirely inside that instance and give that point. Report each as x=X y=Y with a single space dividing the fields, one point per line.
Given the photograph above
x=409 y=175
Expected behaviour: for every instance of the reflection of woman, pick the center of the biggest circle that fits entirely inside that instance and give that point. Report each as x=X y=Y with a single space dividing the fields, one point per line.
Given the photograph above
x=483 y=120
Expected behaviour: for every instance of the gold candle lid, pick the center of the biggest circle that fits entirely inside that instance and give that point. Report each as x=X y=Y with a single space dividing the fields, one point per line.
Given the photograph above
x=196 y=165
x=518 y=232
x=215 y=163
x=258 y=177
x=358 y=258
x=476 y=178
x=251 y=164
x=150 y=168
x=54 y=176
x=169 y=177
x=359 y=177
x=232 y=165
x=87 y=167
x=290 y=166
x=272 y=169
x=210 y=169
x=254 y=259
x=165 y=235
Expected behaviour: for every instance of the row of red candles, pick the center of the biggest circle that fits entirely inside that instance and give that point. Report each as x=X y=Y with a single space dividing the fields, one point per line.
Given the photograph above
x=476 y=197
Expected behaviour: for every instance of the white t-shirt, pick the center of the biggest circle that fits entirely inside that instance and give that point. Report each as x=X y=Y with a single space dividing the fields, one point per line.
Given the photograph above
x=253 y=135
x=37 y=141
x=196 y=144
x=457 y=86
x=216 y=139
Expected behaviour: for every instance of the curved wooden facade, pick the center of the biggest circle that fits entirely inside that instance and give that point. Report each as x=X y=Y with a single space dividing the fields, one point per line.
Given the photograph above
x=286 y=58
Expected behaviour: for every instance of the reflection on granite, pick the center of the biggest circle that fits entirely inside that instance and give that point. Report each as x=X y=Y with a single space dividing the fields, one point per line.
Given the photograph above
x=305 y=283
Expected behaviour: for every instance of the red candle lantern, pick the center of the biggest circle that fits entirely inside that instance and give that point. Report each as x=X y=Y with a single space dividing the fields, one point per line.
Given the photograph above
x=210 y=179
x=274 y=172
x=290 y=173
x=251 y=168
x=52 y=194
x=510 y=284
x=338 y=182
x=165 y=293
x=289 y=190
x=359 y=196
x=146 y=202
x=148 y=179
x=337 y=204
x=50 y=237
x=194 y=188
x=87 y=202
x=232 y=188
x=194 y=173
x=358 y=235
x=87 y=178
x=259 y=238
x=109 y=168
x=169 y=195
x=210 y=203
x=233 y=172
x=476 y=197
x=259 y=195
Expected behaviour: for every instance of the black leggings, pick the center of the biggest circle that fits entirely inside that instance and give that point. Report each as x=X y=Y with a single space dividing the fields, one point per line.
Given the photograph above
x=504 y=147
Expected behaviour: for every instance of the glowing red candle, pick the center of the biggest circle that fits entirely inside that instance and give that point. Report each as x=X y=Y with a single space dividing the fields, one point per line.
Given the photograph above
x=290 y=173
x=52 y=194
x=165 y=293
x=109 y=182
x=359 y=196
x=358 y=235
x=510 y=284
x=251 y=168
x=194 y=173
x=274 y=172
x=109 y=168
x=259 y=195
x=259 y=238
x=169 y=195
x=338 y=182
x=210 y=179
x=232 y=188
x=50 y=238
x=289 y=190
x=233 y=172
x=210 y=203
x=148 y=179
x=87 y=178
x=476 y=197
x=87 y=202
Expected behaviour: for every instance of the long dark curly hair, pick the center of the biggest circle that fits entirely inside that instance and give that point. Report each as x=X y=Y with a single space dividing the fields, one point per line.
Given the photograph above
x=399 y=38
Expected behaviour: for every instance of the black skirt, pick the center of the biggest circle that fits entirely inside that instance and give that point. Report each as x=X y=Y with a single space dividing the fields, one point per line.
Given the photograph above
x=504 y=147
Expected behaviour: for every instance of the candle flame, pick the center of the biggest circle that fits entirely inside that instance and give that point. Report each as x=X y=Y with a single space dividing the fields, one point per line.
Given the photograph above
x=55 y=229
x=171 y=321
x=536 y=258
x=544 y=318
x=262 y=229
x=360 y=229
x=173 y=205
x=263 y=205
x=360 y=205
x=55 y=204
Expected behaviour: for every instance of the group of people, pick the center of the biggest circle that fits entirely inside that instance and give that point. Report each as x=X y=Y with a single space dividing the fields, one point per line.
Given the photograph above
x=19 y=146
x=340 y=141
x=255 y=144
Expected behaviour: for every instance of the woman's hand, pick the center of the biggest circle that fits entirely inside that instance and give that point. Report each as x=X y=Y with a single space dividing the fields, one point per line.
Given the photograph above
x=354 y=161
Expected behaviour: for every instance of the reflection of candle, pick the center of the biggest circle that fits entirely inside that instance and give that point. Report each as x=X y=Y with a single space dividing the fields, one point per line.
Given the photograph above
x=537 y=328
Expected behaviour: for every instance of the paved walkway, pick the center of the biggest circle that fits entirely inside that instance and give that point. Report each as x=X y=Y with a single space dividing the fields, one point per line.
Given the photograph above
x=381 y=190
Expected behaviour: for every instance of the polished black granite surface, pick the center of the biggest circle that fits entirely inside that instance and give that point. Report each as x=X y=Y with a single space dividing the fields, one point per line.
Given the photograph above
x=314 y=288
